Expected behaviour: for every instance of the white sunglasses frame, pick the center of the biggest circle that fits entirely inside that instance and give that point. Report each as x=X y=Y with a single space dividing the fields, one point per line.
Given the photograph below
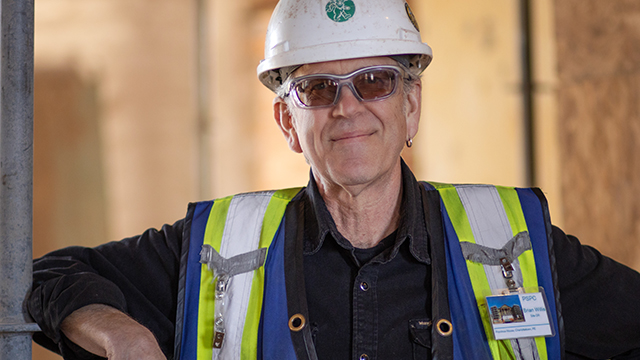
x=346 y=79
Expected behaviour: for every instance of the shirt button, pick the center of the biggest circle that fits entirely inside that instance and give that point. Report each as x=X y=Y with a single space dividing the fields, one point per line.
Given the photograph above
x=364 y=357
x=364 y=287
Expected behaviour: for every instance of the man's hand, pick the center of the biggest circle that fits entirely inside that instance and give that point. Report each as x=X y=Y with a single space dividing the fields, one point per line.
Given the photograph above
x=110 y=333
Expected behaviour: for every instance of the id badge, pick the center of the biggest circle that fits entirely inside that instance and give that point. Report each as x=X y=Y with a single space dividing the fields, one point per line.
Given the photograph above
x=516 y=315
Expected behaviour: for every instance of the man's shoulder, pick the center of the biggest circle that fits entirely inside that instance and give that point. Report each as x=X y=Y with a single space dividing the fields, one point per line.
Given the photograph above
x=246 y=201
x=279 y=194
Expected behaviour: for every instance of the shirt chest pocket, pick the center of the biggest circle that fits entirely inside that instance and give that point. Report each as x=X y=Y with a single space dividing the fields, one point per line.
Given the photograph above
x=420 y=334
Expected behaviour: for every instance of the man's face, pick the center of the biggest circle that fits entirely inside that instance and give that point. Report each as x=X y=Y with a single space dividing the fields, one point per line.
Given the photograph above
x=351 y=143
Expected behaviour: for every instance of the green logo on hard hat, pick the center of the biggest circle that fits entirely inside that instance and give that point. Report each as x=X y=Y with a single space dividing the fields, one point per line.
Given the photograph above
x=412 y=17
x=340 y=10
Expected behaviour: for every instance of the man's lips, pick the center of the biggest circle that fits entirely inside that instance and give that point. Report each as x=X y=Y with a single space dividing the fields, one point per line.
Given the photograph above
x=351 y=136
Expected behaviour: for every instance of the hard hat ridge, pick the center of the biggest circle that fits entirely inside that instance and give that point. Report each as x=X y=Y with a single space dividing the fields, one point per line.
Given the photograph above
x=309 y=31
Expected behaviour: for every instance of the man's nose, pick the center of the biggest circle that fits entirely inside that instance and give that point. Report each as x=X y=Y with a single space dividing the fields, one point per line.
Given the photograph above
x=348 y=102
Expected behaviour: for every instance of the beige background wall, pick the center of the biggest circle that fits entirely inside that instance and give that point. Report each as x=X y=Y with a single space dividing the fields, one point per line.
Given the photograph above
x=134 y=60
x=599 y=104
x=119 y=147
x=471 y=97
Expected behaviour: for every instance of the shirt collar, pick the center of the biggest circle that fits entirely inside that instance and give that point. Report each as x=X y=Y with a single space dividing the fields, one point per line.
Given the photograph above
x=318 y=221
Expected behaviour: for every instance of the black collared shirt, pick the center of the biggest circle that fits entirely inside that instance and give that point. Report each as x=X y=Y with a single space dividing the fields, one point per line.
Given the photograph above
x=599 y=296
x=362 y=302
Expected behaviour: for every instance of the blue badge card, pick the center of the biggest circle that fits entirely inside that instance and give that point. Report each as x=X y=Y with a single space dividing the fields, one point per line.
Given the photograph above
x=519 y=315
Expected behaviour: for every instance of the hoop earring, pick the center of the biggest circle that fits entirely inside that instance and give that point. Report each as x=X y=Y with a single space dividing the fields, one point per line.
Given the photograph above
x=409 y=143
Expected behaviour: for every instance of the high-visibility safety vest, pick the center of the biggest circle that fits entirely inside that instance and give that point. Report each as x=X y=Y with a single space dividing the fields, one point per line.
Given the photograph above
x=233 y=300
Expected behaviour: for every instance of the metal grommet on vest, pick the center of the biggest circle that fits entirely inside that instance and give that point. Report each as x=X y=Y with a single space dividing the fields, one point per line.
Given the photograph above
x=297 y=322
x=444 y=327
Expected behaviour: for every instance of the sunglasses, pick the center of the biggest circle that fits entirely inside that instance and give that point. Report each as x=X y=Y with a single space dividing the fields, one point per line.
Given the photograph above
x=323 y=90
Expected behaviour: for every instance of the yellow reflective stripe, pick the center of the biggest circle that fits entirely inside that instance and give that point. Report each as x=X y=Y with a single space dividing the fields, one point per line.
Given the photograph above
x=506 y=350
x=457 y=214
x=215 y=223
x=481 y=287
x=541 y=344
x=479 y=283
x=513 y=209
x=274 y=214
x=272 y=218
x=213 y=237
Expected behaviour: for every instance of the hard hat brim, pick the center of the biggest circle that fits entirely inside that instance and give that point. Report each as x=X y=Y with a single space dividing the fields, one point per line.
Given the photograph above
x=281 y=58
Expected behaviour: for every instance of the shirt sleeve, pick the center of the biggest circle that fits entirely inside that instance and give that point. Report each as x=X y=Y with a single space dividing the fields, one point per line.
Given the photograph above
x=599 y=299
x=138 y=275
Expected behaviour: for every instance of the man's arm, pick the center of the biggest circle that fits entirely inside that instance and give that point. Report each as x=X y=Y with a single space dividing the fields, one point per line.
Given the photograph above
x=110 y=333
x=137 y=276
x=599 y=299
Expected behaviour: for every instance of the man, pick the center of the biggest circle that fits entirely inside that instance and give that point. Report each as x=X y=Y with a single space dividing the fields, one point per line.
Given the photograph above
x=363 y=263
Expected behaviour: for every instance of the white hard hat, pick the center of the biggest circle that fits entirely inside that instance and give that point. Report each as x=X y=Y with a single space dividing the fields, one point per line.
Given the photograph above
x=309 y=31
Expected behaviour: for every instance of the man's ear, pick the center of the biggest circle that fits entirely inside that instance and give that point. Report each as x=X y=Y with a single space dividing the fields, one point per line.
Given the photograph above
x=284 y=119
x=413 y=108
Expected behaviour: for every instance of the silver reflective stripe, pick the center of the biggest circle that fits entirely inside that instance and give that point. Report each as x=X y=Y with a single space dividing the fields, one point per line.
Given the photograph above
x=241 y=235
x=490 y=227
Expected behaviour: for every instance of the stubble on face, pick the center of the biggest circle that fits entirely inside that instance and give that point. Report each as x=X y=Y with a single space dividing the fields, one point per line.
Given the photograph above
x=354 y=143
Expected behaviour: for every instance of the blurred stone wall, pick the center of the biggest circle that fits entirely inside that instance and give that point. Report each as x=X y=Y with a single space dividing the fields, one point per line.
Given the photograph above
x=471 y=126
x=68 y=189
x=598 y=44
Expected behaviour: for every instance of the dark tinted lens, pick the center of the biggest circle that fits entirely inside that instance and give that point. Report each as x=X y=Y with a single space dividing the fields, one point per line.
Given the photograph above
x=375 y=84
x=317 y=91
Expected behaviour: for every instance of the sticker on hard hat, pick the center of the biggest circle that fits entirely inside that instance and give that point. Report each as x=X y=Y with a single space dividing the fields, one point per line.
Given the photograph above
x=412 y=17
x=340 y=10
